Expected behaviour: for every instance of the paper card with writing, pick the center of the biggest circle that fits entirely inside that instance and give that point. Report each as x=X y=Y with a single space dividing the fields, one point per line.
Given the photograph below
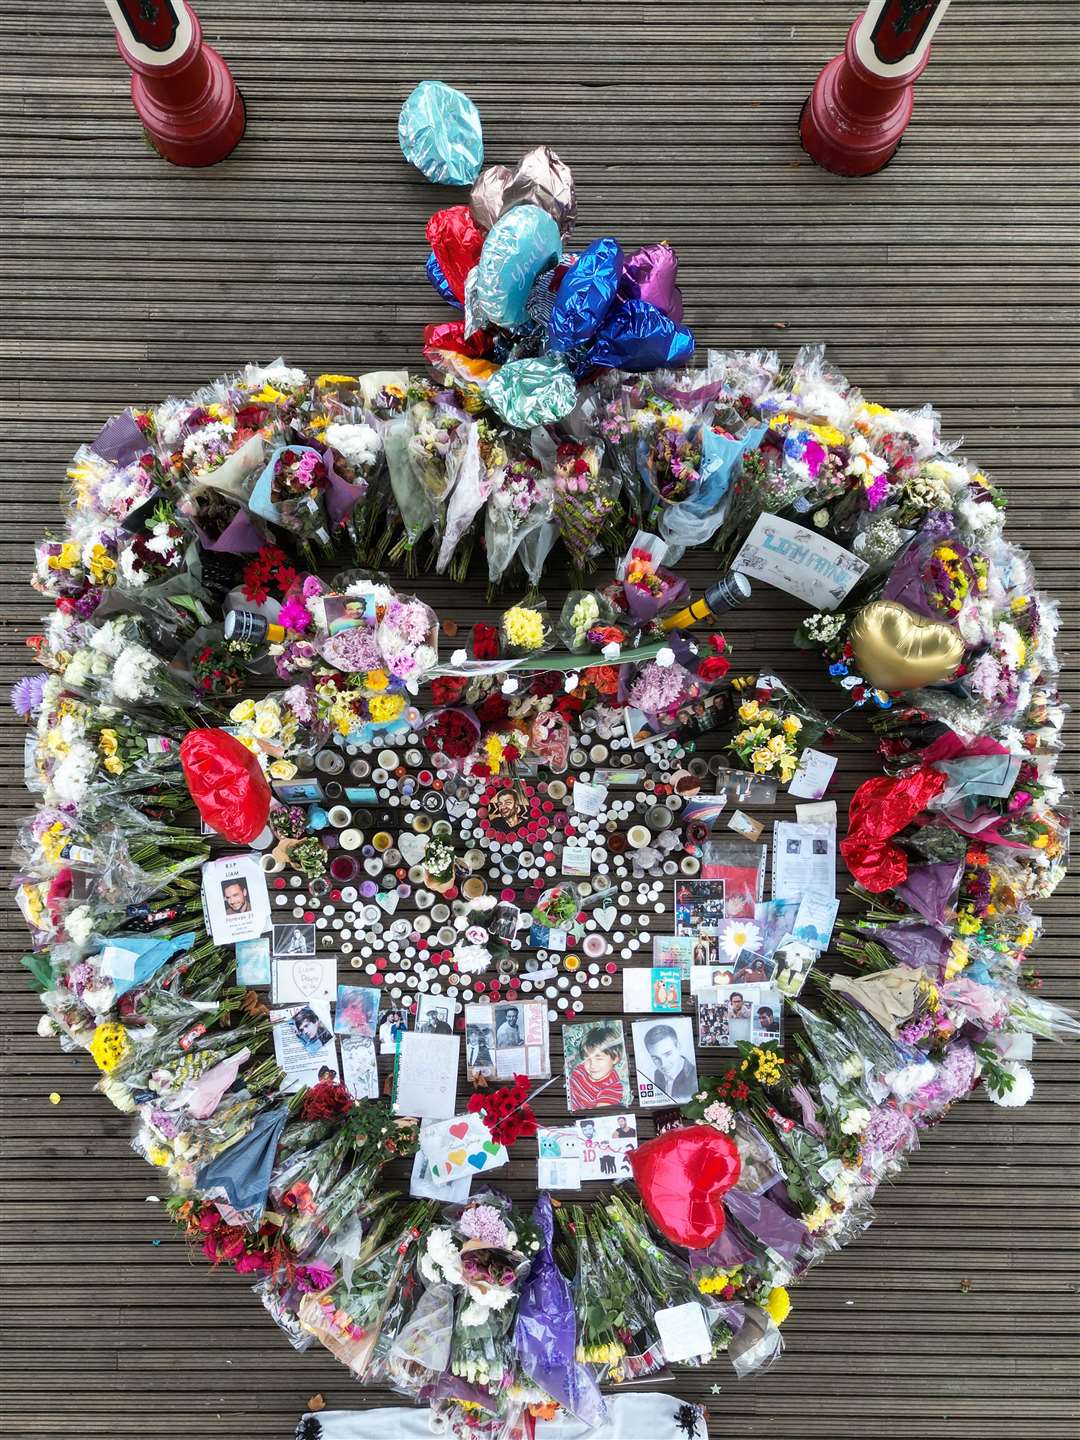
x=684 y=1332
x=652 y=989
x=297 y=982
x=815 y=920
x=360 y=1066
x=460 y=1146
x=558 y=1163
x=798 y=561
x=422 y=1187
x=425 y=1075
x=678 y=951
x=812 y=775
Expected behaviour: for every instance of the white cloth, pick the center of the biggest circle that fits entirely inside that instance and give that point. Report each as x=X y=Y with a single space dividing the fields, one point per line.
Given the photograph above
x=630 y=1417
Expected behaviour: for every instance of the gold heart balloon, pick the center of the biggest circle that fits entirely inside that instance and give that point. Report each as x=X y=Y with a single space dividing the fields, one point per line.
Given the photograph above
x=899 y=650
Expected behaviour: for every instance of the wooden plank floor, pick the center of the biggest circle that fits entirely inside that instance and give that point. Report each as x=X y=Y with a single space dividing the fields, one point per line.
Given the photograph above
x=951 y=277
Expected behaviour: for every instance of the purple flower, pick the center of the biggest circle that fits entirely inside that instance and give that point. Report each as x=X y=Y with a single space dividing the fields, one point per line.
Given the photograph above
x=26 y=695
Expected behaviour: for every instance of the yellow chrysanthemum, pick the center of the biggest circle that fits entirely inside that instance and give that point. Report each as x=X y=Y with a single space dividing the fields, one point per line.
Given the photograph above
x=110 y=1046
x=385 y=708
x=778 y=1304
x=376 y=680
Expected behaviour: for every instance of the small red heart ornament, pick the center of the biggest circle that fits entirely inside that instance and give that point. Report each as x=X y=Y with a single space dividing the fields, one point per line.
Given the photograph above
x=683 y=1176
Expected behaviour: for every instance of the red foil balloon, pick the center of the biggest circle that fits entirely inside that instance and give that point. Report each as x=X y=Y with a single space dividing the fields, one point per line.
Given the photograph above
x=456 y=239
x=228 y=787
x=880 y=809
x=683 y=1176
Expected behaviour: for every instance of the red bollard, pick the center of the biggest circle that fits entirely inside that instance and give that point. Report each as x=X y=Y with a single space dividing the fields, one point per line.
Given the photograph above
x=862 y=101
x=181 y=88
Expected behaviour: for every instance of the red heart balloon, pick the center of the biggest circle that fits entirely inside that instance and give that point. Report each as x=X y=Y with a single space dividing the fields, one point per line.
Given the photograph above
x=683 y=1176
x=225 y=782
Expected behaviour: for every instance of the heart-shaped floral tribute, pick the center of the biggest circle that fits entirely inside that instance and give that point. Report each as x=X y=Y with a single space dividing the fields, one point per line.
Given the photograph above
x=489 y=834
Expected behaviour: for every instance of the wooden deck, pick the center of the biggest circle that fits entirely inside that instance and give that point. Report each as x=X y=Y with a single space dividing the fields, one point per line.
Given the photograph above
x=950 y=277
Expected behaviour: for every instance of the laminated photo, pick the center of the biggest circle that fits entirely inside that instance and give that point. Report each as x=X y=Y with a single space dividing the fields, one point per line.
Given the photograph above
x=595 y=1065
x=294 y=940
x=712 y=1026
x=435 y=1014
x=664 y=1060
x=236 y=899
x=304 y=1044
x=392 y=1026
x=604 y=1146
x=357 y=1011
x=253 y=961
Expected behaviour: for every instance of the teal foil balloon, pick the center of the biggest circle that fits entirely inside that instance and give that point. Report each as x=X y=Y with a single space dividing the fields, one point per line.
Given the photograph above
x=636 y=335
x=440 y=133
x=585 y=295
x=532 y=392
x=519 y=245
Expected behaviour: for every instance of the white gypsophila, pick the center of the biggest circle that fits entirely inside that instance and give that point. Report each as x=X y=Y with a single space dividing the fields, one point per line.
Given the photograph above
x=133 y=673
x=1019 y=1092
x=128 y=560
x=79 y=924
x=360 y=444
x=72 y=776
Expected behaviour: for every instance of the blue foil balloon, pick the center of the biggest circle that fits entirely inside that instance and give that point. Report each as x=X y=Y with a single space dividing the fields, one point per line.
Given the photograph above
x=519 y=245
x=536 y=391
x=440 y=133
x=585 y=295
x=636 y=335
x=440 y=283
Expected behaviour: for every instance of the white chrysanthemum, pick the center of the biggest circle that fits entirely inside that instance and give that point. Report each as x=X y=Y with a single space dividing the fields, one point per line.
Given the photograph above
x=128 y=563
x=72 y=775
x=133 y=673
x=110 y=638
x=283 y=377
x=360 y=444
x=1019 y=1092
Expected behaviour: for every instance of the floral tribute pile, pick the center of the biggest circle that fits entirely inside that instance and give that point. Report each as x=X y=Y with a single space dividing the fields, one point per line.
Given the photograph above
x=226 y=682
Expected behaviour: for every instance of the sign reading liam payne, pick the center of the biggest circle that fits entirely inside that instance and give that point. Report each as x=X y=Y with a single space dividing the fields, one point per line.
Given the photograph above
x=796 y=560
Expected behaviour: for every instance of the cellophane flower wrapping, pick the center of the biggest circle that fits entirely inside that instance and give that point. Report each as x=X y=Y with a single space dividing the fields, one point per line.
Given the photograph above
x=545 y=1332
